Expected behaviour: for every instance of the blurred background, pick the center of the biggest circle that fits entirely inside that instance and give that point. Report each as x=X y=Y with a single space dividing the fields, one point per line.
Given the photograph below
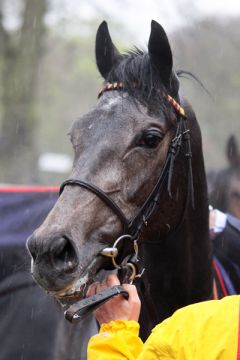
x=48 y=76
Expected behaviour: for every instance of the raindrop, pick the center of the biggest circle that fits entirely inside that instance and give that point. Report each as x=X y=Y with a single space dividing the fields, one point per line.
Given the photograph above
x=22 y=352
x=32 y=314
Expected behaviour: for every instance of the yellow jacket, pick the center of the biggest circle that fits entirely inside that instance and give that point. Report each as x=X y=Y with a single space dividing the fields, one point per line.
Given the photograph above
x=203 y=331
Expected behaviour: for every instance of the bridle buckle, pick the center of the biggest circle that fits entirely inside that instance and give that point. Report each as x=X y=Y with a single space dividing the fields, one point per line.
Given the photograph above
x=112 y=252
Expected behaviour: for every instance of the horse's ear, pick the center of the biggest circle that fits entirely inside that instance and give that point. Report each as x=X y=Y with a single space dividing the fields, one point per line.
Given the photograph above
x=232 y=151
x=106 y=53
x=160 y=52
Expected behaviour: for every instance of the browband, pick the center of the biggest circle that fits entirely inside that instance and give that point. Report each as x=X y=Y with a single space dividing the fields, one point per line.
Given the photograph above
x=119 y=86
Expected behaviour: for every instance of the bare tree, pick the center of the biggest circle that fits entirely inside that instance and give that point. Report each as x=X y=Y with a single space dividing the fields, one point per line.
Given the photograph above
x=20 y=59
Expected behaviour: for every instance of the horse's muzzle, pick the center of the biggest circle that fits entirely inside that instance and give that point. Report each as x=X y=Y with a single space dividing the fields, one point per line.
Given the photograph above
x=53 y=262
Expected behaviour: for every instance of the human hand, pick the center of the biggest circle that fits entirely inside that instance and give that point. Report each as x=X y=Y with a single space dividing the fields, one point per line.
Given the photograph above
x=217 y=222
x=117 y=308
x=212 y=220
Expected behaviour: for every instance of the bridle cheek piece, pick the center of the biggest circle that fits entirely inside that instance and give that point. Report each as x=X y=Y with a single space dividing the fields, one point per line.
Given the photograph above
x=133 y=228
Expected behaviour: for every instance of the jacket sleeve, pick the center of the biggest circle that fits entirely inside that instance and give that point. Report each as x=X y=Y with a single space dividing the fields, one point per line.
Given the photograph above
x=119 y=340
x=116 y=340
x=203 y=331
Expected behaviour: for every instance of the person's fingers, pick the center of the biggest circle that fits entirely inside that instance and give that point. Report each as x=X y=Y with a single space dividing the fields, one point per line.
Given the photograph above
x=101 y=286
x=212 y=219
x=109 y=281
x=132 y=291
x=92 y=290
x=134 y=301
x=117 y=307
x=132 y=306
x=112 y=280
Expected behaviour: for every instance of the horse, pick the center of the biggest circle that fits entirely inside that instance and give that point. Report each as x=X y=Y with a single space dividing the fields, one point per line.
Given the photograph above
x=224 y=192
x=137 y=187
x=224 y=195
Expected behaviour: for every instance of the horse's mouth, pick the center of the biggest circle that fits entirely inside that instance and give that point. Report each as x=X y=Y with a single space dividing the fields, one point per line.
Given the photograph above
x=76 y=291
x=78 y=288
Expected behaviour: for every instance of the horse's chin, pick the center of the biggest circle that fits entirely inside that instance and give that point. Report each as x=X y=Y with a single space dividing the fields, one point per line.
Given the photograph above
x=77 y=289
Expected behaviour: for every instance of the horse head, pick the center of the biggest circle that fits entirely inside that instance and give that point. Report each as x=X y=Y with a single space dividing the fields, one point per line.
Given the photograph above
x=128 y=148
x=225 y=192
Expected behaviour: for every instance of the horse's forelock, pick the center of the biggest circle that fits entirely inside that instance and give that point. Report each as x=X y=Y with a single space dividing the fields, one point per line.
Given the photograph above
x=141 y=79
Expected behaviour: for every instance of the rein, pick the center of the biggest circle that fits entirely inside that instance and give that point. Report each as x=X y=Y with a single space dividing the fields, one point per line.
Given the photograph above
x=134 y=227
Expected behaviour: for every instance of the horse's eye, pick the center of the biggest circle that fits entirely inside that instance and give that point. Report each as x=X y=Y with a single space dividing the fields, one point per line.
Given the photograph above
x=150 y=139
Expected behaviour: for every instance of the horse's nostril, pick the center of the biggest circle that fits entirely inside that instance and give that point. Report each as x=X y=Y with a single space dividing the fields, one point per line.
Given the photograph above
x=63 y=254
x=59 y=245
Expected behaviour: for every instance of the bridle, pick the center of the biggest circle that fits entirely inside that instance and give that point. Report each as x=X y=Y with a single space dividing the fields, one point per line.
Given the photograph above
x=133 y=228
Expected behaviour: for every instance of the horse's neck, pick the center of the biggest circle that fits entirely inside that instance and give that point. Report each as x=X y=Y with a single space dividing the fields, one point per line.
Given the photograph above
x=178 y=271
